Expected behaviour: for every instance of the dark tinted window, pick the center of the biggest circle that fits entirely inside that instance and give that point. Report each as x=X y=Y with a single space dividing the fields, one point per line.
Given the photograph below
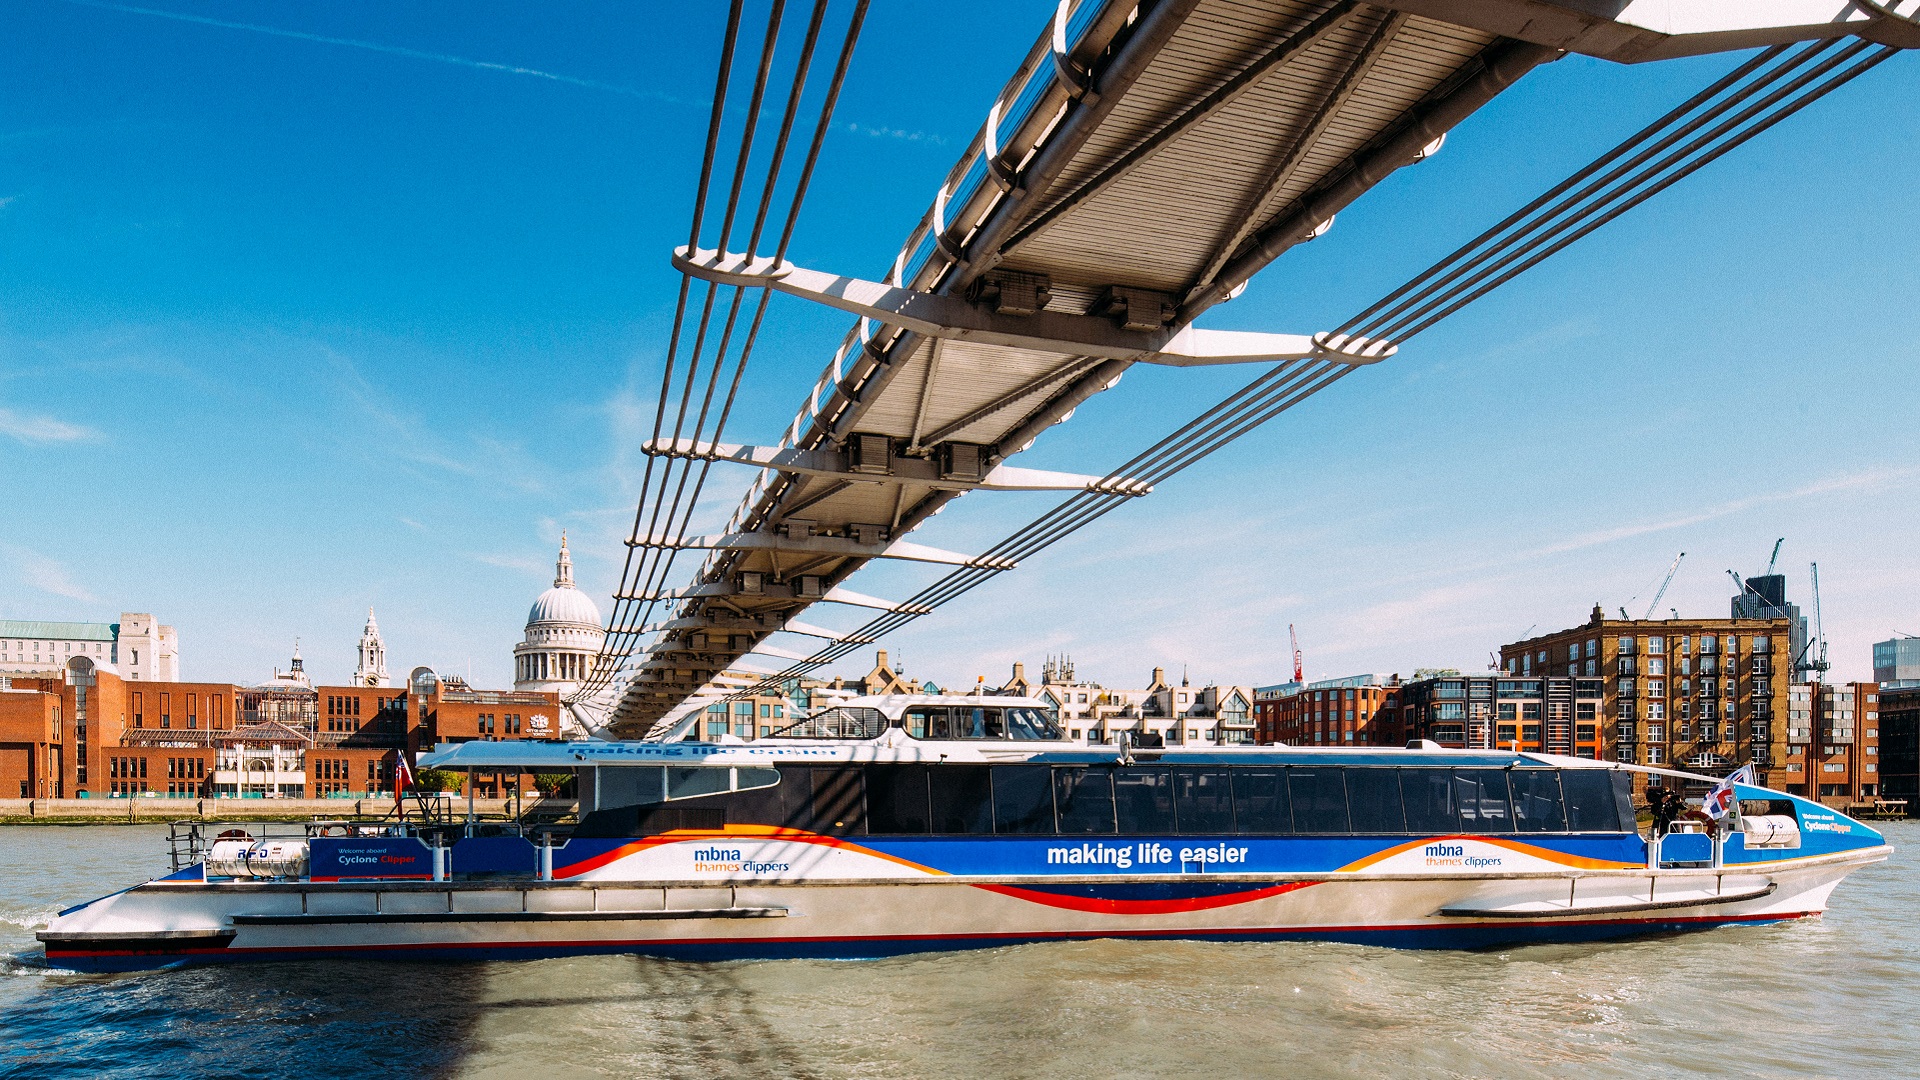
x=1536 y=801
x=1144 y=798
x=838 y=807
x=1428 y=797
x=1022 y=799
x=1260 y=802
x=897 y=799
x=1084 y=797
x=1589 y=800
x=1623 y=801
x=1203 y=800
x=1373 y=797
x=1319 y=799
x=962 y=799
x=1482 y=795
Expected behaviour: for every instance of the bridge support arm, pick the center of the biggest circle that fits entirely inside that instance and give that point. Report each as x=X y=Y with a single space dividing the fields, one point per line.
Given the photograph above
x=960 y=319
x=919 y=472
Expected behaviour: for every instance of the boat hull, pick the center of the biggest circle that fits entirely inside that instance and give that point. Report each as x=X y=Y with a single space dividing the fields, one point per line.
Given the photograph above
x=170 y=923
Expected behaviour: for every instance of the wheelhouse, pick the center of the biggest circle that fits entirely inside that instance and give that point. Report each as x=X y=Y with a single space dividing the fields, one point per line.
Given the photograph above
x=928 y=716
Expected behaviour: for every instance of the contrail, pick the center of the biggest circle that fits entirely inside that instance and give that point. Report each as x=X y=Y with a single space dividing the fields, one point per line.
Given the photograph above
x=391 y=50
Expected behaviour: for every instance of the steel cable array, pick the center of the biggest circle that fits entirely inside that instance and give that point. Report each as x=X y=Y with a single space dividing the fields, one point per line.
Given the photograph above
x=1751 y=98
x=659 y=515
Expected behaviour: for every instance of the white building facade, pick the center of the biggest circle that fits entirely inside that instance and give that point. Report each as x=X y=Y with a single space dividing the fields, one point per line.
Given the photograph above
x=136 y=648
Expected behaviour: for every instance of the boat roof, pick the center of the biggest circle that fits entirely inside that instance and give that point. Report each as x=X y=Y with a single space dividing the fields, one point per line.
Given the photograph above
x=896 y=746
x=895 y=704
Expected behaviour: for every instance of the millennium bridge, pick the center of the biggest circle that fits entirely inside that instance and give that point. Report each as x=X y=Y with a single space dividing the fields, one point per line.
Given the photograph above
x=1141 y=164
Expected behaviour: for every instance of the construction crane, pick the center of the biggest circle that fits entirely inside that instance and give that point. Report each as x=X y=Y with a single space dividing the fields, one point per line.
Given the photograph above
x=1671 y=570
x=1299 y=676
x=1818 y=663
x=1776 y=555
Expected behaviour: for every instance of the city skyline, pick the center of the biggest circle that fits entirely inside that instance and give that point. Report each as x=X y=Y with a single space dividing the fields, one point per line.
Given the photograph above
x=366 y=311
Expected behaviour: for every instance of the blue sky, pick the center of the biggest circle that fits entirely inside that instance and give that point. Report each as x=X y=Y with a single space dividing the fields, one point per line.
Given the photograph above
x=306 y=308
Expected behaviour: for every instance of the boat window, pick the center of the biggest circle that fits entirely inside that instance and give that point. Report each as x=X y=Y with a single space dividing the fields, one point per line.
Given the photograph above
x=1025 y=723
x=925 y=722
x=962 y=798
x=1144 y=799
x=897 y=799
x=1589 y=800
x=1536 y=801
x=749 y=777
x=837 y=804
x=977 y=722
x=1482 y=797
x=1084 y=797
x=1319 y=798
x=1203 y=800
x=1374 y=795
x=842 y=722
x=626 y=786
x=1022 y=798
x=1260 y=803
x=695 y=782
x=1427 y=795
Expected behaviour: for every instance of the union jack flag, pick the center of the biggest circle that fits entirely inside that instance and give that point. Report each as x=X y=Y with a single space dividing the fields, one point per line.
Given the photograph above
x=1720 y=799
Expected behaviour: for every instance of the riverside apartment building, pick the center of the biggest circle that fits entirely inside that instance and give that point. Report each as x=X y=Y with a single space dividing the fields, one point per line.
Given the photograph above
x=1706 y=695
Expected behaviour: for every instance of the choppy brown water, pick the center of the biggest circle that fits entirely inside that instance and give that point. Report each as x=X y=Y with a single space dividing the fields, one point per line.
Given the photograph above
x=1834 y=997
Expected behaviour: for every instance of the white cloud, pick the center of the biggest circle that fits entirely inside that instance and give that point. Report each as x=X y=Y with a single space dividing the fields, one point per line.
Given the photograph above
x=42 y=429
x=536 y=567
x=44 y=574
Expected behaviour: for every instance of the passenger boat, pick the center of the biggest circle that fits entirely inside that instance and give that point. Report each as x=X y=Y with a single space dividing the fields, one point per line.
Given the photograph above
x=901 y=824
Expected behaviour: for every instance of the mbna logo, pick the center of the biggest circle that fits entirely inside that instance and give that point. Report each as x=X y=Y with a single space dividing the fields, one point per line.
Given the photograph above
x=715 y=855
x=1446 y=850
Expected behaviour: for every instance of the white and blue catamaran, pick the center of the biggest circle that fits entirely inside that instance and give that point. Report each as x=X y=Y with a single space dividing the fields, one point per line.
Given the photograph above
x=902 y=824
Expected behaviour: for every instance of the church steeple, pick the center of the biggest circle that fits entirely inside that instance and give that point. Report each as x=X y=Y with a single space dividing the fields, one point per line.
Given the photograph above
x=372 y=667
x=563 y=570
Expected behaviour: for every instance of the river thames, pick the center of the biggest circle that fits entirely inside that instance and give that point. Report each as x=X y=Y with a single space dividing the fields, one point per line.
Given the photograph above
x=1830 y=997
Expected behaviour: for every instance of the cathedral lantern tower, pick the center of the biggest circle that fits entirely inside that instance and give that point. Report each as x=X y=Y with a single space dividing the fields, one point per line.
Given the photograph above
x=563 y=636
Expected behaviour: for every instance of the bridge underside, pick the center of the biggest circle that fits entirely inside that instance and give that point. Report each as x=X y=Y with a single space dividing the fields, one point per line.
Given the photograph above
x=1141 y=165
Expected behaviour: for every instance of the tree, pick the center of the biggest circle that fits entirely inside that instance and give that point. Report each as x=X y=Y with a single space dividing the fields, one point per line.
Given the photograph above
x=436 y=780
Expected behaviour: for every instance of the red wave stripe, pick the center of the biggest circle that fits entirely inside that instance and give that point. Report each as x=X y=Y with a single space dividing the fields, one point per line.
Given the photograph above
x=731 y=832
x=1143 y=907
x=1579 y=862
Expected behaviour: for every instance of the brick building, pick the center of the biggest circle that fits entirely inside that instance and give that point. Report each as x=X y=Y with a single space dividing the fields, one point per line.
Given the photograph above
x=33 y=743
x=1359 y=710
x=81 y=731
x=1832 y=744
x=1700 y=694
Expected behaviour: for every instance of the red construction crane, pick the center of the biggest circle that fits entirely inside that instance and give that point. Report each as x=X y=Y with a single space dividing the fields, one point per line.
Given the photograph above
x=1298 y=675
